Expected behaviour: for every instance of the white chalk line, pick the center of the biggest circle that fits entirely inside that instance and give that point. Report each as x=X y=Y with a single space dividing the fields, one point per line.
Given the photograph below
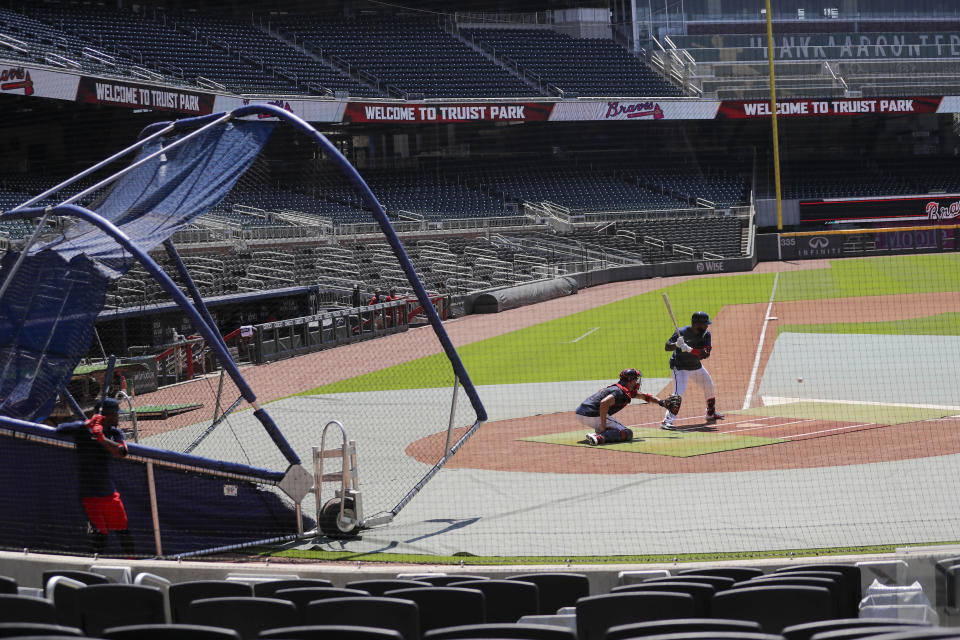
x=763 y=333
x=586 y=334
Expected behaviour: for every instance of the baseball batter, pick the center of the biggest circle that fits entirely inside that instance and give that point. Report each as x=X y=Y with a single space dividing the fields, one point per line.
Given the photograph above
x=596 y=412
x=690 y=346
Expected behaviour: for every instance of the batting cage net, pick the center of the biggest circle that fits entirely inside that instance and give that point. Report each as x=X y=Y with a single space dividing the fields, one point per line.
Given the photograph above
x=408 y=358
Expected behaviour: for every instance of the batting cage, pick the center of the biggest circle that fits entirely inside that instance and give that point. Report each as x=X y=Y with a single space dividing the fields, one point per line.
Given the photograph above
x=225 y=443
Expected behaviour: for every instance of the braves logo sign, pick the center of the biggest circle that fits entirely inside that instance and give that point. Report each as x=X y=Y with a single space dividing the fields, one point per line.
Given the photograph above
x=276 y=103
x=618 y=110
x=16 y=78
x=935 y=211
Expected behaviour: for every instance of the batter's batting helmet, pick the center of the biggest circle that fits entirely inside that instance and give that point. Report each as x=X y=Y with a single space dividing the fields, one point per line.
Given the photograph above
x=700 y=316
x=630 y=374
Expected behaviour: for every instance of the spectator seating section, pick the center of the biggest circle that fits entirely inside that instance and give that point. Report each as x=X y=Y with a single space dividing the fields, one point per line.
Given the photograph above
x=103 y=606
x=701 y=592
x=17 y=608
x=414 y=56
x=584 y=66
x=807 y=630
x=556 y=590
x=774 y=607
x=248 y=616
x=344 y=632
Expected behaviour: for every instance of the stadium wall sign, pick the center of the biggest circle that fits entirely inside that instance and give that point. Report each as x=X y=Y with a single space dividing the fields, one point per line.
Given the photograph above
x=139 y=96
x=741 y=109
x=447 y=113
x=37 y=83
x=925 y=208
x=635 y=110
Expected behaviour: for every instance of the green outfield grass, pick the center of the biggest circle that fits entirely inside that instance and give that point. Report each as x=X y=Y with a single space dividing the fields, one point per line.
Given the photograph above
x=319 y=554
x=842 y=412
x=597 y=343
x=941 y=324
x=677 y=444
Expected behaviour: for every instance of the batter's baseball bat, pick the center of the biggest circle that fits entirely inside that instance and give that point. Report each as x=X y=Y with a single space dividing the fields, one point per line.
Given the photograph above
x=666 y=301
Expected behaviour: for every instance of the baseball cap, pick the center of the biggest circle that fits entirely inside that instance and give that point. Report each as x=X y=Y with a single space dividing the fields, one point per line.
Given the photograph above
x=110 y=406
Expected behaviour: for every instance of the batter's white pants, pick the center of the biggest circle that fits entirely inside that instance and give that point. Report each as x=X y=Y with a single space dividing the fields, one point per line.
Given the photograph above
x=683 y=376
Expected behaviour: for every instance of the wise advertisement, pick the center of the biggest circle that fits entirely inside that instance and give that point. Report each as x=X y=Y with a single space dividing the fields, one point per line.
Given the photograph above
x=741 y=109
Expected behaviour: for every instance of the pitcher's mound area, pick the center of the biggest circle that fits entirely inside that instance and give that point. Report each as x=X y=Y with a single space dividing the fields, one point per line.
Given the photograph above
x=682 y=443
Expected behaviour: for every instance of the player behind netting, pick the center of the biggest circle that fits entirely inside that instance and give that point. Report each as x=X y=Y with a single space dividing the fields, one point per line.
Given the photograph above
x=690 y=345
x=596 y=412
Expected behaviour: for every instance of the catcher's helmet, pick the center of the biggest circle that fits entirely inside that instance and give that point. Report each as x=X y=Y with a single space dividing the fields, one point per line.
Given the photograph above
x=700 y=316
x=630 y=374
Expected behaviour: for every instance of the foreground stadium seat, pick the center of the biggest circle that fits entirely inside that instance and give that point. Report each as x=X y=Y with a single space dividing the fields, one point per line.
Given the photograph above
x=14 y=629
x=702 y=593
x=596 y=614
x=720 y=583
x=445 y=606
x=851 y=572
x=502 y=631
x=556 y=590
x=774 y=607
x=169 y=632
x=374 y=611
x=86 y=577
x=301 y=597
x=246 y=616
x=103 y=606
x=507 y=600
x=803 y=581
x=331 y=631
x=679 y=625
x=809 y=629
x=181 y=594
x=16 y=608
x=380 y=587
x=8 y=585
x=737 y=573
x=268 y=589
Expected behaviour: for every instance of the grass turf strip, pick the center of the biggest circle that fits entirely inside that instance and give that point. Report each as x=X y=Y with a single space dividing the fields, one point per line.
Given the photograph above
x=677 y=444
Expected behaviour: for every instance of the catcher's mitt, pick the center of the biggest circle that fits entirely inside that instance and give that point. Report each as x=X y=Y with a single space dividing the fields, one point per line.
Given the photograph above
x=671 y=403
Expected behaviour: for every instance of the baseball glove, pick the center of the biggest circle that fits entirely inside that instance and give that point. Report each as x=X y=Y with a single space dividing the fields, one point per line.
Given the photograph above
x=671 y=403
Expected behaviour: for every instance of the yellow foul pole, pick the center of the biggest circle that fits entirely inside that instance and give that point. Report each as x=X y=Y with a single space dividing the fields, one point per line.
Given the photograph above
x=773 y=118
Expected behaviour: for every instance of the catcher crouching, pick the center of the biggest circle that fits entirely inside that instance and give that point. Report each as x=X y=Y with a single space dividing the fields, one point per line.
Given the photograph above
x=596 y=412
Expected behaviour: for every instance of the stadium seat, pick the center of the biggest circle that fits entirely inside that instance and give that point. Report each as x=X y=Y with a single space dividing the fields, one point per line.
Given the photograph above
x=375 y=611
x=17 y=629
x=720 y=583
x=851 y=572
x=855 y=633
x=715 y=635
x=502 y=631
x=268 y=589
x=446 y=581
x=774 y=607
x=702 y=593
x=86 y=577
x=246 y=616
x=836 y=594
x=556 y=590
x=507 y=600
x=8 y=585
x=380 y=587
x=807 y=630
x=737 y=573
x=331 y=632
x=302 y=596
x=65 y=594
x=181 y=594
x=169 y=632
x=679 y=625
x=103 y=606
x=596 y=614
x=845 y=591
x=445 y=606
x=17 y=608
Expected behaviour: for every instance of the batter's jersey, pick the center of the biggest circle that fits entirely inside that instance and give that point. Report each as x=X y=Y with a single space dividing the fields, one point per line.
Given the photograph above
x=93 y=459
x=701 y=345
x=591 y=406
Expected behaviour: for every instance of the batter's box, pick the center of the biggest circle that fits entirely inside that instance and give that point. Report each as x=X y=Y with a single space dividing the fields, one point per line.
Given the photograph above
x=677 y=444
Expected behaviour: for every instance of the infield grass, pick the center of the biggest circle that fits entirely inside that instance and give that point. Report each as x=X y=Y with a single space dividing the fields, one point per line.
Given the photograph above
x=677 y=444
x=595 y=344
